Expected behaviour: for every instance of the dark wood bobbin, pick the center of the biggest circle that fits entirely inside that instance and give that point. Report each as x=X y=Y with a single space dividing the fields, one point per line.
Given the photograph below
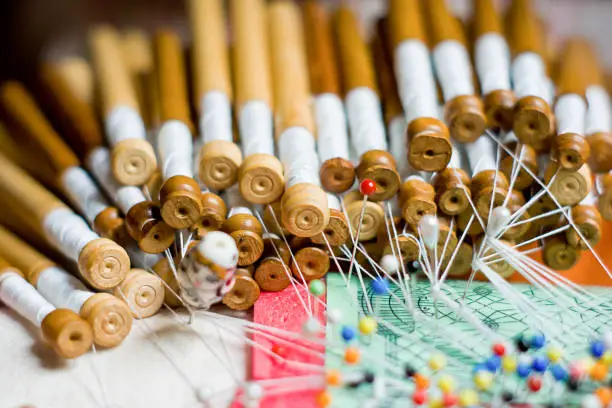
x=600 y=159
x=487 y=186
x=145 y=225
x=515 y=202
x=373 y=215
x=110 y=224
x=417 y=199
x=311 y=263
x=604 y=202
x=246 y=231
x=273 y=220
x=528 y=158
x=68 y=334
x=461 y=265
x=447 y=238
x=379 y=166
x=589 y=221
x=558 y=254
x=374 y=251
x=452 y=189
x=273 y=273
x=429 y=146
x=533 y=120
x=568 y=187
x=212 y=216
x=337 y=175
x=499 y=109
x=244 y=293
x=404 y=246
x=181 y=202
x=465 y=116
x=497 y=262
x=543 y=205
x=337 y=231
x=571 y=151
x=164 y=271
x=464 y=218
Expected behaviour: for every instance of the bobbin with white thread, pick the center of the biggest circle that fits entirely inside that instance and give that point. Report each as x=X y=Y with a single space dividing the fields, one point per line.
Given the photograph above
x=304 y=210
x=309 y=263
x=179 y=195
x=219 y=158
x=68 y=334
x=452 y=186
x=569 y=187
x=244 y=293
x=273 y=273
x=133 y=158
x=260 y=176
x=363 y=110
x=373 y=215
x=143 y=292
x=242 y=225
x=337 y=230
x=428 y=137
x=588 y=219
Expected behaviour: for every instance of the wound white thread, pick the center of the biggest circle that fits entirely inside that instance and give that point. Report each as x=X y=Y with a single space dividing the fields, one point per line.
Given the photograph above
x=255 y=122
x=19 y=295
x=365 y=120
x=298 y=154
x=570 y=112
x=332 y=133
x=142 y=259
x=62 y=289
x=415 y=80
x=175 y=148
x=216 y=117
x=124 y=123
x=68 y=232
x=83 y=192
x=453 y=69
x=397 y=144
x=551 y=90
x=128 y=196
x=237 y=204
x=492 y=58
x=480 y=155
x=529 y=76
x=333 y=202
x=598 y=113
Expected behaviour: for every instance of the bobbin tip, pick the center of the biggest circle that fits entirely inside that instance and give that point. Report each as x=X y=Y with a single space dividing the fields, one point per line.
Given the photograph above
x=110 y=224
x=68 y=334
x=601 y=151
x=181 y=202
x=466 y=118
x=568 y=187
x=373 y=216
x=379 y=166
x=415 y=208
x=429 y=147
x=454 y=200
x=571 y=151
x=558 y=255
x=219 y=164
x=533 y=120
x=133 y=162
x=144 y=293
x=310 y=263
x=589 y=222
x=337 y=231
x=103 y=263
x=408 y=248
x=499 y=109
x=261 y=179
x=157 y=238
x=109 y=317
x=250 y=246
x=337 y=175
x=304 y=210
x=243 y=294
x=271 y=275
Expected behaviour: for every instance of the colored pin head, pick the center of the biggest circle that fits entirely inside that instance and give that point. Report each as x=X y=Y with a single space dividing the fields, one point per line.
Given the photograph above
x=380 y=286
x=367 y=187
x=316 y=287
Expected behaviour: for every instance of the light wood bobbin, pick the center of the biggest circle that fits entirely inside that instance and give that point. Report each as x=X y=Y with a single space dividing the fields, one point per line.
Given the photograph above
x=273 y=273
x=528 y=158
x=244 y=293
x=143 y=292
x=407 y=244
x=462 y=263
x=337 y=230
x=569 y=187
x=417 y=198
x=588 y=220
x=181 y=202
x=219 y=164
x=145 y=225
x=310 y=263
x=429 y=146
x=164 y=271
x=102 y=263
x=261 y=179
x=379 y=165
x=373 y=215
x=246 y=231
x=68 y=334
x=500 y=265
x=452 y=189
x=484 y=185
x=304 y=211
x=558 y=254
x=109 y=317
x=604 y=201
x=515 y=203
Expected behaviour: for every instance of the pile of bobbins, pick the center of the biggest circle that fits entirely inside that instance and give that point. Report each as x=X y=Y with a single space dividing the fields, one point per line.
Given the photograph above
x=339 y=143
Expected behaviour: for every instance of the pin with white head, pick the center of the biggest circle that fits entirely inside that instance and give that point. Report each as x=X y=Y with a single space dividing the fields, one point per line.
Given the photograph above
x=429 y=228
x=252 y=395
x=500 y=216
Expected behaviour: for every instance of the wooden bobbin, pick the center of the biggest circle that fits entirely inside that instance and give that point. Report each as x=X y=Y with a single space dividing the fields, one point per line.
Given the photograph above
x=110 y=224
x=143 y=292
x=373 y=215
x=261 y=179
x=213 y=214
x=501 y=266
x=543 y=205
x=304 y=210
x=464 y=218
x=76 y=71
x=68 y=334
x=452 y=188
x=408 y=244
x=219 y=164
x=246 y=231
x=571 y=151
x=109 y=317
x=528 y=157
x=181 y=202
x=515 y=203
x=310 y=263
x=244 y=293
x=374 y=251
x=484 y=185
x=337 y=230
x=145 y=225
x=558 y=254
x=604 y=202
x=588 y=220
x=569 y=187
x=417 y=198
x=379 y=165
x=272 y=218
x=429 y=147
x=273 y=273
x=102 y=263
x=462 y=263
x=164 y=271
x=337 y=175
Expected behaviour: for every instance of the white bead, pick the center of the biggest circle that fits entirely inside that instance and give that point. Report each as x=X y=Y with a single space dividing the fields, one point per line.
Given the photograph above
x=390 y=264
x=607 y=338
x=253 y=391
x=311 y=326
x=203 y=395
x=334 y=316
x=220 y=249
x=590 y=401
x=498 y=221
x=430 y=229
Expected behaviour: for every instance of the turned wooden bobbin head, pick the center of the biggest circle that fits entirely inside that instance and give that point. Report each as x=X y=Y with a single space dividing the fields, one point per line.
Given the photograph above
x=543 y=205
x=261 y=179
x=337 y=175
x=212 y=216
x=408 y=248
x=373 y=215
x=246 y=231
x=146 y=227
x=109 y=317
x=219 y=164
x=304 y=210
x=571 y=151
x=604 y=202
x=337 y=231
x=568 y=187
x=515 y=203
x=68 y=334
x=374 y=251
x=312 y=262
x=272 y=275
x=429 y=146
x=243 y=294
x=452 y=188
x=110 y=224
x=164 y=271
x=462 y=263
x=275 y=246
x=464 y=218
x=446 y=234
x=379 y=165
x=133 y=162
x=499 y=109
x=558 y=254
x=103 y=263
x=466 y=118
x=272 y=218
x=501 y=266
x=484 y=185
x=155 y=183
x=601 y=151
x=528 y=159
x=533 y=120
x=181 y=202
x=588 y=220
x=417 y=198
x=144 y=293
